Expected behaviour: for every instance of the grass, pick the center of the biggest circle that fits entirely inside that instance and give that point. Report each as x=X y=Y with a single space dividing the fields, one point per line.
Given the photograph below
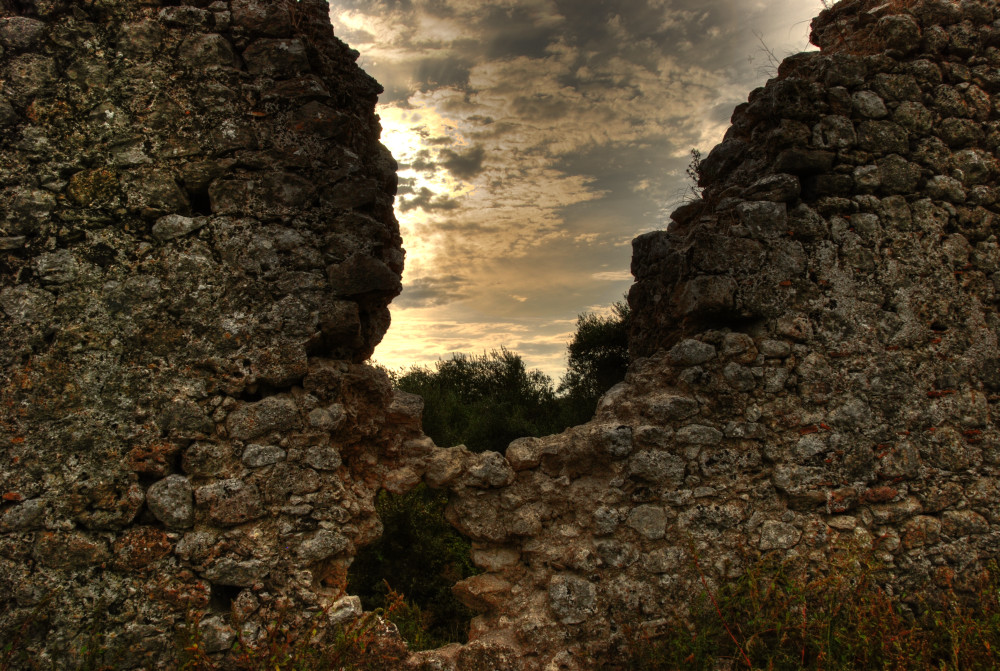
x=779 y=616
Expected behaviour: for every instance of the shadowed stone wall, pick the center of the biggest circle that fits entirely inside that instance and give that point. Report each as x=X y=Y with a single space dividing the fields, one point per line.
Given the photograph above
x=197 y=248
x=818 y=364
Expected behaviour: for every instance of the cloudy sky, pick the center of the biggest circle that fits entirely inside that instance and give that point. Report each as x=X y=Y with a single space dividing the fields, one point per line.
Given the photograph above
x=535 y=139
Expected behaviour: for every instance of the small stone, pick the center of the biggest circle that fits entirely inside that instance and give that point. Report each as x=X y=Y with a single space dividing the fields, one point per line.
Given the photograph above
x=764 y=218
x=670 y=407
x=20 y=32
x=648 y=520
x=448 y=463
x=884 y=137
x=327 y=419
x=489 y=469
x=184 y=17
x=708 y=294
x=280 y=58
x=322 y=458
x=697 y=434
x=57 y=268
x=400 y=480
x=206 y=50
x=345 y=610
x=23 y=516
x=843 y=522
x=777 y=188
x=942 y=187
x=617 y=441
x=324 y=543
x=690 y=353
x=495 y=559
x=571 y=598
x=834 y=132
x=255 y=456
x=775 y=348
x=657 y=466
x=231 y=501
x=171 y=500
x=606 y=520
x=867 y=104
x=216 y=635
x=236 y=572
x=482 y=592
x=739 y=377
x=257 y=419
x=175 y=226
x=776 y=535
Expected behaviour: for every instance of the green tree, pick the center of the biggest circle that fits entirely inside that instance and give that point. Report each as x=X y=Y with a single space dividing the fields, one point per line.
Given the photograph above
x=598 y=360
x=484 y=402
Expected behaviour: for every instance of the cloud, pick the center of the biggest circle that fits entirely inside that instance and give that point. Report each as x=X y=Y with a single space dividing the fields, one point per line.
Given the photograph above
x=536 y=138
x=612 y=276
x=432 y=291
x=463 y=165
x=427 y=200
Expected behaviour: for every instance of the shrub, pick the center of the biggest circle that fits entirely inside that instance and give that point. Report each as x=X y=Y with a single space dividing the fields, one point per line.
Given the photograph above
x=778 y=616
x=419 y=555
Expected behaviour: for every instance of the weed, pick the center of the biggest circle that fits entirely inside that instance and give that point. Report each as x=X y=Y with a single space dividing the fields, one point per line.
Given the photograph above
x=780 y=615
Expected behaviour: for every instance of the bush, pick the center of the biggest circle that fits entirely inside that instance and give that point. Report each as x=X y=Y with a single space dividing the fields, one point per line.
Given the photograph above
x=598 y=360
x=419 y=555
x=780 y=616
x=484 y=402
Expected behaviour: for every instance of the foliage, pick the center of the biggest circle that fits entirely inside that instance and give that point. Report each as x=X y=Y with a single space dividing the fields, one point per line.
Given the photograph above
x=693 y=172
x=483 y=402
x=598 y=360
x=421 y=556
x=779 y=616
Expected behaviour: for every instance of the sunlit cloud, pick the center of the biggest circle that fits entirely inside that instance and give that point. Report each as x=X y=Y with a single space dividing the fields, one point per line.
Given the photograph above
x=535 y=139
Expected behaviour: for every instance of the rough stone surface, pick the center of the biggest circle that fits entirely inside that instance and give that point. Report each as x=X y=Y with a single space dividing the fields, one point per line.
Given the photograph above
x=183 y=407
x=816 y=362
x=194 y=268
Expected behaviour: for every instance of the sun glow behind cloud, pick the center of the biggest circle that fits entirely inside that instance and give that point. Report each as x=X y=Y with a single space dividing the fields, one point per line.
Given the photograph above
x=535 y=139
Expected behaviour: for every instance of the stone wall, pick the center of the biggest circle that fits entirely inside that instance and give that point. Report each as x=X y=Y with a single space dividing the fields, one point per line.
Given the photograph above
x=198 y=248
x=818 y=364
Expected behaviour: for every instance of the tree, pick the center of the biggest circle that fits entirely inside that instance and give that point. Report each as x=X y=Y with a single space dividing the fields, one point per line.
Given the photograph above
x=484 y=402
x=598 y=360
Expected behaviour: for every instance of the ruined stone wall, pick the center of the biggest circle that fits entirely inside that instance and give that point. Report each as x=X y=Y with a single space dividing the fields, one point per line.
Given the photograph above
x=818 y=365
x=197 y=248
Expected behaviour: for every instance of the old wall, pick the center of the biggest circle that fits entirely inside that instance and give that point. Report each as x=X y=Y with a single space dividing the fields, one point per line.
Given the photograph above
x=197 y=247
x=819 y=364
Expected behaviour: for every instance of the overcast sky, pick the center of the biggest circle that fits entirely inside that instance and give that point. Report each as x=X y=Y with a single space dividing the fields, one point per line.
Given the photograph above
x=535 y=139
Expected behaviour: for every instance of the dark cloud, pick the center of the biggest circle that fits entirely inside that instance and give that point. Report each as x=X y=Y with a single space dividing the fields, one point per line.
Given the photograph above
x=464 y=165
x=428 y=201
x=541 y=106
x=432 y=291
x=432 y=73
